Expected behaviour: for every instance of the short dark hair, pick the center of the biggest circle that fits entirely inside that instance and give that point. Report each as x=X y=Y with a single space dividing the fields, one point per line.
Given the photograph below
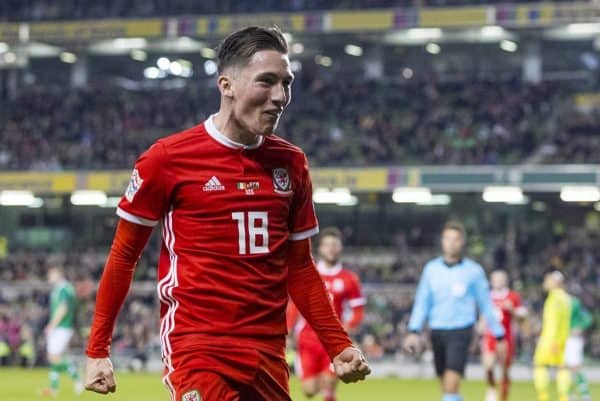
x=330 y=232
x=239 y=47
x=456 y=226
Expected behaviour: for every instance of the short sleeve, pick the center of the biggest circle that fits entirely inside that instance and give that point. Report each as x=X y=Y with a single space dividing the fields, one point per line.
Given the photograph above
x=303 y=220
x=147 y=196
x=354 y=292
x=63 y=295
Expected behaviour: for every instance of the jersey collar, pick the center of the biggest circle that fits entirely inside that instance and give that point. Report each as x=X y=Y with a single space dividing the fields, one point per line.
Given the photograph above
x=61 y=283
x=324 y=271
x=215 y=134
x=500 y=293
x=455 y=264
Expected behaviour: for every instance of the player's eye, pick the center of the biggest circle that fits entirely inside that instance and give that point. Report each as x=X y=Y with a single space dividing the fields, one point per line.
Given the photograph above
x=266 y=81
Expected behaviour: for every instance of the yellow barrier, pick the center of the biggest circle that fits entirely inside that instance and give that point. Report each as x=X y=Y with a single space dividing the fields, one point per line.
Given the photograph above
x=115 y=182
x=96 y=29
x=381 y=20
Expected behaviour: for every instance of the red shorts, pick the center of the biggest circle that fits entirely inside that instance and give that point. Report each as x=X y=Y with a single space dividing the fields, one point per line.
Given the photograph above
x=488 y=345
x=312 y=360
x=247 y=375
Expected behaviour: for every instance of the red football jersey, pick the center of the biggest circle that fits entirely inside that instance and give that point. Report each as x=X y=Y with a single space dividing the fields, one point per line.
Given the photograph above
x=344 y=290
x=500 y=299
x=227 y=213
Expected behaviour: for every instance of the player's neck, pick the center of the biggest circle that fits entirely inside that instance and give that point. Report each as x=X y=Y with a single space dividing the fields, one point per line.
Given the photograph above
x=327 y=268
x=59 y=283
x=229 y=127
x=452 y=260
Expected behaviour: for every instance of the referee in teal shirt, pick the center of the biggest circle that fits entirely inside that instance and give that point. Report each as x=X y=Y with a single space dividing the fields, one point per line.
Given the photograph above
x=451 y=291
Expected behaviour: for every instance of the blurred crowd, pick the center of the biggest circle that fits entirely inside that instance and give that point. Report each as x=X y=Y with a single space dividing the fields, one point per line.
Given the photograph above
x=360 y=123
x=33 y=10
x=23 y=318
x=577 y=142
x=24 y=305
x=389 y=277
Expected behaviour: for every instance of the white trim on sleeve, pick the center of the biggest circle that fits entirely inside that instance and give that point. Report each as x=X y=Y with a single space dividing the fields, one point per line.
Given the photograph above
x=304 y=234
x=353 y=303
x=135 y=219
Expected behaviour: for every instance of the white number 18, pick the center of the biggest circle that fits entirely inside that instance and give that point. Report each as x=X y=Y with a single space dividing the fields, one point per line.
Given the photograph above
x=257 y=223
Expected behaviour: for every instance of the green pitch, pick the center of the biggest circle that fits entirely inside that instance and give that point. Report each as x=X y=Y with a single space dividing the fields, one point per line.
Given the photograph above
x=26 y=385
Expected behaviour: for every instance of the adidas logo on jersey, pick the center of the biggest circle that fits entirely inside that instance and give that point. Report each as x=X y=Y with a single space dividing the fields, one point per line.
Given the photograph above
x=213 y=185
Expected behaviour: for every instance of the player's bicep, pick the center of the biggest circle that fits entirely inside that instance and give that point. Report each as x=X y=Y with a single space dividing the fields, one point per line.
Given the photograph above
x=147 y=196
x=484 y=299
x=303 y=219
x=63 y=296
x=482 y=293
x=424 y=287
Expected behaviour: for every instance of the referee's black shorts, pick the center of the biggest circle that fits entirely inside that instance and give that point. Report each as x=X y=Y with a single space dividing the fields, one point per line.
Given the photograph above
x=451 y=349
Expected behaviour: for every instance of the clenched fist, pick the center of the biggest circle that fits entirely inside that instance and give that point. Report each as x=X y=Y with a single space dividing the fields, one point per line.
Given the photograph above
x=99 y=376
x=350 y=365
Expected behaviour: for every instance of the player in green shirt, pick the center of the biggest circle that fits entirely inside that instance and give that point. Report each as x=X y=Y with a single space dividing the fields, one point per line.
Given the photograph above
x=60 y=330
x=581 y=320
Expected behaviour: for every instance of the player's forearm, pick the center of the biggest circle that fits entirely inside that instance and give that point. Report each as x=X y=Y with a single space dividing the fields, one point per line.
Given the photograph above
x=130 y=240
x=420 y=308
x=310 y=297
x=61 y=312
x=417 y=318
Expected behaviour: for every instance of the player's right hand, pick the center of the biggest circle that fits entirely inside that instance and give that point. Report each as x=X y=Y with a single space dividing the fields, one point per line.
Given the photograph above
x=99 y=376
x=413 y=343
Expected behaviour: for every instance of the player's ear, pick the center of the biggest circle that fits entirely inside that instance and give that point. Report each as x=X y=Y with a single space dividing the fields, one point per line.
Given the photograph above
x=225 y=85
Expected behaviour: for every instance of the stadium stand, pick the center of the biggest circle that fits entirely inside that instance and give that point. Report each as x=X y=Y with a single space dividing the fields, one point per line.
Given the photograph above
x=444 y=117
x=85 y=9
x=364 y=123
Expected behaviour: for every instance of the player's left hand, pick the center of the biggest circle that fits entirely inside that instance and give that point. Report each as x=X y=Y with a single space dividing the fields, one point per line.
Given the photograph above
x=351 y=366
x=48 y=329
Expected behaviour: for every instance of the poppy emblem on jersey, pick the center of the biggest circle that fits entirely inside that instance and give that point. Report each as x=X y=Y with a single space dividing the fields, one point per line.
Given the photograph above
x=191 y=396
x=135 y=182
x=281 y=181
x=249 y=187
